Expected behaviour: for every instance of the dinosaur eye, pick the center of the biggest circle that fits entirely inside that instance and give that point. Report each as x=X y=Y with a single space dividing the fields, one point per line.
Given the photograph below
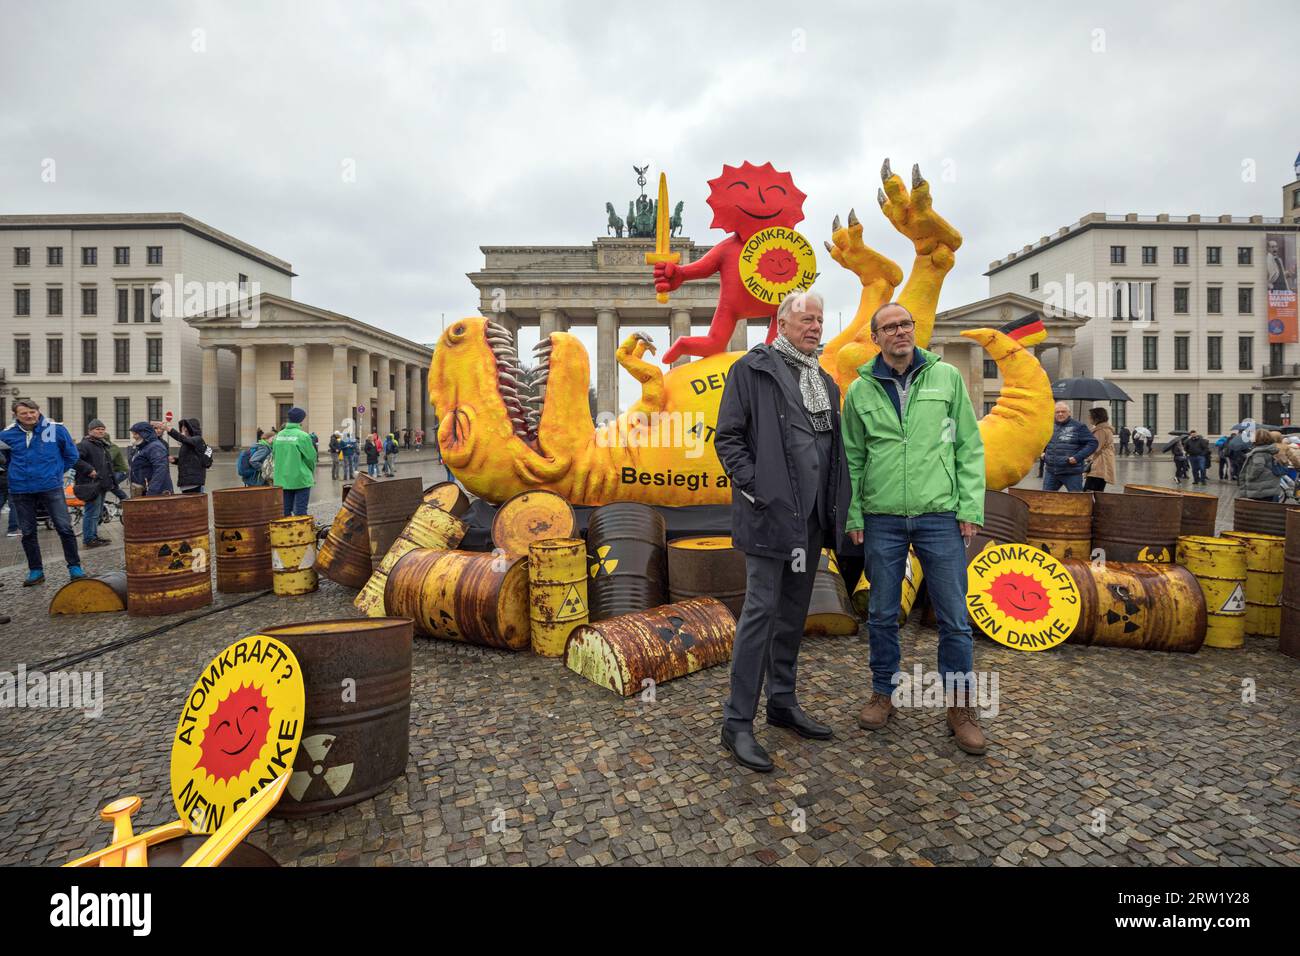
x=456 y=333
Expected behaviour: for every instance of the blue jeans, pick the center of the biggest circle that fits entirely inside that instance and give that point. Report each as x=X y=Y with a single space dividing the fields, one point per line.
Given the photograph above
x=349 y=469
x=1053 y=481
x=937 y=542
x=90 y=513
x=295 y=501
x=372 y=469
x=57 y=507
x=1199 y=463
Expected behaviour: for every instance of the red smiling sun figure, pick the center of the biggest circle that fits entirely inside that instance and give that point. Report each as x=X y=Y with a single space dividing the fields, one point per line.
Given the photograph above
x=236 y=732
x=1020 y=596
x=745 y=199
x=777 y=265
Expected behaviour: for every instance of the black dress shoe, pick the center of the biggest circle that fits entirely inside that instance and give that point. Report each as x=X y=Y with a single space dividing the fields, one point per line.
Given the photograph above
x=746 y=749
x=799 y=722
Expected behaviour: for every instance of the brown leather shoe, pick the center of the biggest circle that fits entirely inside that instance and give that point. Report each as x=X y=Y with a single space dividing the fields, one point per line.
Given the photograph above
x=876 y=712
x=963 y=723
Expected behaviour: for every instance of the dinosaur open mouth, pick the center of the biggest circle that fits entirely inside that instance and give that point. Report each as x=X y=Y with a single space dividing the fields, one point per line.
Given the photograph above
x=523 y=410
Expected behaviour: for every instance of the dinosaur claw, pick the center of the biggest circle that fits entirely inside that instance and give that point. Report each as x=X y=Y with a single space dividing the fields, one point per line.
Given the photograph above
x=853 y=217
x=885 y=172
x=917 y=179
x=829 y=247
x=880 y=197
x=835 y=225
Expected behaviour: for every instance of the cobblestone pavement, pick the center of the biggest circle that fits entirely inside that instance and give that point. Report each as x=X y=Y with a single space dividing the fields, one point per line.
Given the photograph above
x=1098 y=756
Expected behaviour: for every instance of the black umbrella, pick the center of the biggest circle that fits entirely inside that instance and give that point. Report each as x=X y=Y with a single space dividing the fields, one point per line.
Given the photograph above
x=1088 y=389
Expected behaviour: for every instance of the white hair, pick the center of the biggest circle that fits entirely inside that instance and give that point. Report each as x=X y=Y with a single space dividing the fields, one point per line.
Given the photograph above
x=798 y=300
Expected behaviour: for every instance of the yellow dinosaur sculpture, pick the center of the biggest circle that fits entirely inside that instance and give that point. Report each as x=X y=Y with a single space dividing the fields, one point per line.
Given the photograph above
x=661 y=450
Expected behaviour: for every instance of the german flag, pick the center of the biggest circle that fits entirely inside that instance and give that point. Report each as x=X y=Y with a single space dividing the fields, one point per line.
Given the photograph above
x=1026 y=331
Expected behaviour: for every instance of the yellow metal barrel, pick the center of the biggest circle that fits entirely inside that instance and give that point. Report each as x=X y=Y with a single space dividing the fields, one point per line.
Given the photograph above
x=293 y=555
x=107 y=592
x=706 y=567
x=557 y=592
x=1219 y=566
x=830 y=612
x=462 y=596
x=912 y=578
x=1137 y=605
x=168 y=554
x=430 y=527
x=345 y=555
x=531 y=516
x=1265 y=563
x=1060 y=522
x=239 y=518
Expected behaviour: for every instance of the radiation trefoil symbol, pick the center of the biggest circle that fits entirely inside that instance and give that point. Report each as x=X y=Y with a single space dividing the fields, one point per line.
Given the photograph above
x=1131 y=609
x=573 y=605
x=336 y=778
x=1236 y=601
x=603 y=562
x=675 y=630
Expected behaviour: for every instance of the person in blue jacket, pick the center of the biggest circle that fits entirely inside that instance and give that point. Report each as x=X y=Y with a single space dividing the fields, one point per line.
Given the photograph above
x=149 y=467
x=40 y=451
x=1064 y=456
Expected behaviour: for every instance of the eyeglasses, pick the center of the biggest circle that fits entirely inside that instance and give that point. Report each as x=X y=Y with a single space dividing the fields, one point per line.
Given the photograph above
x=907 y=325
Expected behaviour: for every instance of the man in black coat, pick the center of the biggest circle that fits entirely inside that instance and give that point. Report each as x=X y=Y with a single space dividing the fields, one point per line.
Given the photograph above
x=779 y=441
x=1198 y=450
x=192 y=459
x=94 y=479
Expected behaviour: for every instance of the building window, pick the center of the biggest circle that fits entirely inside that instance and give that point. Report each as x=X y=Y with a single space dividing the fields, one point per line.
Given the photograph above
x=153 y=354
x=1245 y=300
x=1275 y=358
x=121 y=255
x=354 y=375
x=123 y=304
x=1148 y=255
x=153 y=408
x=1135 y=300
x=243 y=285
x=1295 y=199
x=137 y=305
x=1182 y=295
x=22 y=356
x=1245 y=406
x=1214 y=353
x=374 y=378
x=988 y=407
x=54 y=356
x=54 y=408
x=121 y=417
x=1118 y=353
x=89 y=410
x=1213 y=255
x=89 y=256
x=90 y=301
x=1149 y=409
x=1180 y=411
x=122 y=356
x=89 y=356
x=1213 y=414
x=154 y=254
x=155 y=305
x=1245 y=353
x=1150 y=346
x=286 y=371
x=54 y=255
x=22 y=301
x=392 y=383
x=1245 y=255
x=1180 y=255
x=53 y=301
x=1214 y=300
x=990 y=368
x=22 y=255
x=1033 y=281
x=1117 y=255
x=1181 y=352
x=1118 y=415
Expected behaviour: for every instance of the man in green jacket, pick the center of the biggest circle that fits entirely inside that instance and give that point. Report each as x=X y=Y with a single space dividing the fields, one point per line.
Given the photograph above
x=295 y=463
x=916 y=477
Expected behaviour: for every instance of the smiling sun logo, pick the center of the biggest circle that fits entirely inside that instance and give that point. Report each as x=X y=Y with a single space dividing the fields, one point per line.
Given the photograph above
x=1022 y=597
x=1019 y=596
x=236 y=733
x=775 y=262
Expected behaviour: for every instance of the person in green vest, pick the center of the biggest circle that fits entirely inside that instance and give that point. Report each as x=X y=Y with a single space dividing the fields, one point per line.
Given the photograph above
x=295 y=463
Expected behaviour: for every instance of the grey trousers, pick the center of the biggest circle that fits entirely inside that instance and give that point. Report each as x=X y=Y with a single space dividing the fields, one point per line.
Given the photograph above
x=769 y=632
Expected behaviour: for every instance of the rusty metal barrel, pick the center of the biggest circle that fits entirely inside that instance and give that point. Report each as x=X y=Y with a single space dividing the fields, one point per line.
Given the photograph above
x=626 y=559
x=1219 y=565
x=389 y=506
x=345 y=555
x=830 y=612
x=104 y=592
x=429 y=527
x=1199 y=509
x=1139 y=606
x=293 y=555
x=706 y=567
x=1265 y=563
x=1136 y=527
x=168 y=554
x=1006 y=518
x=557 y=592
x=462 y=596
x=240 y=520
x=631 y=652
x=448 y=496
x=1060 y=522
x=531 y=516
x=1260 y=517
x=356 y=674
x=1289 y=643
x=912 y=578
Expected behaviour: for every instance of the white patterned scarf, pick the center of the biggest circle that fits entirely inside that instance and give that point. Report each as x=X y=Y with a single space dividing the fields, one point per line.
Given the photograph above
x=811 y=386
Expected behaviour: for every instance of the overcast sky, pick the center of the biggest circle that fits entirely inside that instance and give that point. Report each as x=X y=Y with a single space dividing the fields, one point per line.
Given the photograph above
x=497 y=123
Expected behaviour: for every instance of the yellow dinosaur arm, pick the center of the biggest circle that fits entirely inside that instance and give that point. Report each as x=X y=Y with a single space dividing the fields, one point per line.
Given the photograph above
x=1018 y=427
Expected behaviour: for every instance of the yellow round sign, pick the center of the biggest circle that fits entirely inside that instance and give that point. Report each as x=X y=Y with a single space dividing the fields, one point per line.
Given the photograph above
x=1022 y=597
x=775 y=262
x=239 y=730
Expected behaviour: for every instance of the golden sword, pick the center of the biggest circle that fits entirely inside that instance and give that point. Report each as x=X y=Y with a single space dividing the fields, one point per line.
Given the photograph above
x=662 y=236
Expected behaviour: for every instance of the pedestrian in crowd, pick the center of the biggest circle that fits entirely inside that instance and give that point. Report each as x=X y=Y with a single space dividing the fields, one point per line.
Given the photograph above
x=4 y=491
x=252 y=460
x=193 y=459
x=419 y=438
x=149 y=466
x=406 y=438
x=40 y=451
x=390 y=454
x=336 y=455
x=1125 y=435
x=1101 y=465
x=295 y=463
x=94 y=479
x=349 y=453
x=916 y=474
x=1179 y=451
x=1220 y=447
x=1198 y=456
x=1142 y=440
x=779 y=441
x=1260 y=476
x=372 y=455
x=1237 y=448
x=1070 y=444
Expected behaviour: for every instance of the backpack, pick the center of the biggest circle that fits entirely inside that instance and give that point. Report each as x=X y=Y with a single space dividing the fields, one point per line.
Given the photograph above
x=244 y=464
x=268 y=469
x=207 y=456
